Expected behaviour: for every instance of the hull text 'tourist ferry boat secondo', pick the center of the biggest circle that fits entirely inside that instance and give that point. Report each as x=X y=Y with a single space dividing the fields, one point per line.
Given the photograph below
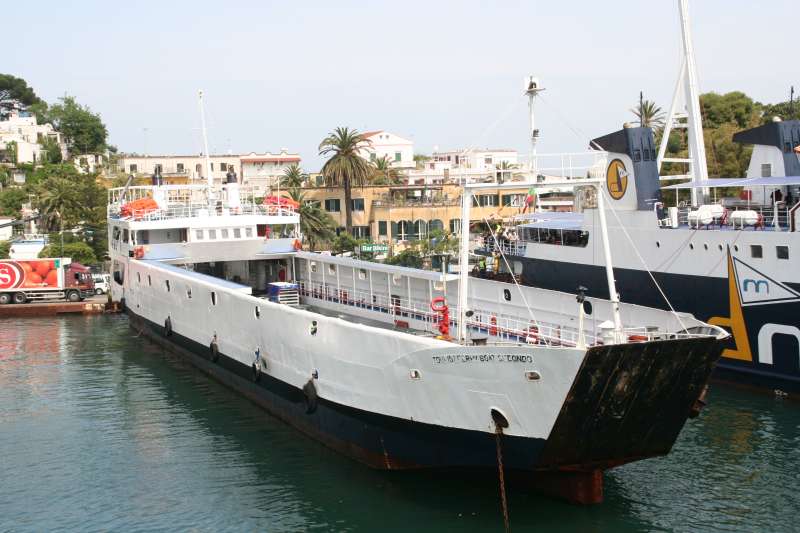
x=403 y=368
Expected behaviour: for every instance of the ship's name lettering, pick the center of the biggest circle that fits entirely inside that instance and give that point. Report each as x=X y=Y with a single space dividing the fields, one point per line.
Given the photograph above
x=446 y=359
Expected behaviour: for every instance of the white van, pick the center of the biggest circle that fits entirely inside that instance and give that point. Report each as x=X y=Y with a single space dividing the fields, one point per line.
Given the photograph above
x=102 y=282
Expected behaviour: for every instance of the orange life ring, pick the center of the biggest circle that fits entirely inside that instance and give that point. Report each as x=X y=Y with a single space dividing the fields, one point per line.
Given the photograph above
x=438 y=304
x=297 y=245
x=493 y=327
x=138 y=252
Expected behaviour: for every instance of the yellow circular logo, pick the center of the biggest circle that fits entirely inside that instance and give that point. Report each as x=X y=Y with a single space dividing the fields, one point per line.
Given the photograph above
x=616 y=179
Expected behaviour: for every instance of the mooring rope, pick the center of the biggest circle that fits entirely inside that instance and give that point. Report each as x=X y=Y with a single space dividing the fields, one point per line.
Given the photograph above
x=504 y=503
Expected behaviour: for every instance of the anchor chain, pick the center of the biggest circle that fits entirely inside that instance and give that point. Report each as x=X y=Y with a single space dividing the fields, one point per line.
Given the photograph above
x=498 y=433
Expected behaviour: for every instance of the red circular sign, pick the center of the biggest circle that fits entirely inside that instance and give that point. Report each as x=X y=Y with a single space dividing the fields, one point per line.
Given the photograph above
x=11 y=275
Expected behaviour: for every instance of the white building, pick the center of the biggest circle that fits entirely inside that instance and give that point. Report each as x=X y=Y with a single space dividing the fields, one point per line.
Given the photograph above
x=263 y=171
x=466 y=165
x=397 y=150
x=6 y=230
x=179 y=168
x=89 y=163
x=20 y=127
x=260 y=171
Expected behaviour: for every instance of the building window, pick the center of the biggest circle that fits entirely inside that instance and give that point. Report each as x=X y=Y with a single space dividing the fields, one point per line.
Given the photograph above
x=198 y=234
x=755 y=251
x=782 y=251
x=212 y=234
x=332 y=205
x=401 y=230
x=179 y=168
x=357 y=204
x=223 y=167
x=513 y=200
x=455 y=225
x=224 y=233
x=766 y=170
x=237 y=233
x=248 y=232
x=332 y=269
x=198 y=168
x=435 y=225
x=398 y=156
x=486 y=200
x=212 y=167
x=134 y=169
x=382 y=228
x=487 y=160
x=361 y=232
x=314 y=203
x=420 y=230
x=158 y=169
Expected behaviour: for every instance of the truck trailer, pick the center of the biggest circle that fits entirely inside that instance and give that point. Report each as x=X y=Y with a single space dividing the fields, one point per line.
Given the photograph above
x=23 y=281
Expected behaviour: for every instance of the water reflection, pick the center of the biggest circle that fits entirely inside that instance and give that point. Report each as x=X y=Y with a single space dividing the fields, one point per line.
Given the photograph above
x=103 y=430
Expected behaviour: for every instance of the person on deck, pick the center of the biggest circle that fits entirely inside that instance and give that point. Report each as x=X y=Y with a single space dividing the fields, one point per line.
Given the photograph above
x=482 y=267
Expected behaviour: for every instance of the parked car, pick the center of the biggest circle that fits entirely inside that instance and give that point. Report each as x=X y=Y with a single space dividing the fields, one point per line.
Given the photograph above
x=102 y=283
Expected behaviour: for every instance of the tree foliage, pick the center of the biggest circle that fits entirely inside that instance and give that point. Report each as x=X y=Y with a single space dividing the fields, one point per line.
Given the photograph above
x=14 y=92
x=84 y=131
x=316 y=225
x=410 y=257
x=383 y=173
x=5 y=249
x=293 y=177
x=345 y=167
x=78 y=251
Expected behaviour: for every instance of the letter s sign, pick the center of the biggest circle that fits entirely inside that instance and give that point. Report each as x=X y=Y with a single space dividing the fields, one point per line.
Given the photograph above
x=10 y=275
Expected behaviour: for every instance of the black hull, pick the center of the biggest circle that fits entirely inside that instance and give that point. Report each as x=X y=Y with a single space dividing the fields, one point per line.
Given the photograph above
x=704 y=297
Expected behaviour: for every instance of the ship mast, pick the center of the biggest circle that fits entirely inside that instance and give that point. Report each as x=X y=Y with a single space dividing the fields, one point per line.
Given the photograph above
x=209 y=177
x=532 y=90
x=686 y=87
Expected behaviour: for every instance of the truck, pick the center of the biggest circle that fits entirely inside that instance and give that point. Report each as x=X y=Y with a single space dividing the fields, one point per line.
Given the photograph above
x=27 y=280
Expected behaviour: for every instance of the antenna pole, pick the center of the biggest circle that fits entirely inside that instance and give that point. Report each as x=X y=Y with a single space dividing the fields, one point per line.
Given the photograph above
x=613 y=296
x=641 y=108
x=209 y=177
x=697 y=149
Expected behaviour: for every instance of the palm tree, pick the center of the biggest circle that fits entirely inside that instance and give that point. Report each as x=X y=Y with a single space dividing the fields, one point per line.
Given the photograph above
x=316 y=225
x=383 y=173
x=504 y=170
x=58 y=199
x=649 y=114
x=345 y=168
x=293 y=177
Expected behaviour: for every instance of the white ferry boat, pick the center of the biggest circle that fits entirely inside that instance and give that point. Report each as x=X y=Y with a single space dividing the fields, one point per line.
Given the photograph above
x=403 y=368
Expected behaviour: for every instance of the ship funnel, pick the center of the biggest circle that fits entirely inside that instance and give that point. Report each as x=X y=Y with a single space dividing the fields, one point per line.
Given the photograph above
x=632 y=171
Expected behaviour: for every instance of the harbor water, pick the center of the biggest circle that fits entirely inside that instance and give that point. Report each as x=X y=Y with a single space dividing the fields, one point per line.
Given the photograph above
x=101 y=430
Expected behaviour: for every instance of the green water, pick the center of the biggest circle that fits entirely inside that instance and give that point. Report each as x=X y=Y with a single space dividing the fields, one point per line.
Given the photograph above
x=103 y=431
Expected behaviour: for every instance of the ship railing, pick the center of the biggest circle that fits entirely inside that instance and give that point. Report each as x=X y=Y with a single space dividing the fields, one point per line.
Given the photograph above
x=202 y=210
x=497 y=326
x=500 y=328
x=772 y=217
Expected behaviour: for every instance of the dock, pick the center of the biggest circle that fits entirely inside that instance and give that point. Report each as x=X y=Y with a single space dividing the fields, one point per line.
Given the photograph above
x=91 y=306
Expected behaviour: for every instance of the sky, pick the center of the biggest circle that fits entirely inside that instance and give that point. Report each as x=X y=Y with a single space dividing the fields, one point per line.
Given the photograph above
x=446 y=74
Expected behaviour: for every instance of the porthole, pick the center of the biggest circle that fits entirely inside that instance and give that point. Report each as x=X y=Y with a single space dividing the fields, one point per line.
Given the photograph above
x=705 y=245
x=166 y=283
x=691 y=246
x=658 y=244
x=587 y=307
x=149 y=280
x=720 y=247
x=507 y=295
x=189 y=292
x=213 y=298
x=138 y=277
x=735 y=247
x=258 y=312
x=414 y=374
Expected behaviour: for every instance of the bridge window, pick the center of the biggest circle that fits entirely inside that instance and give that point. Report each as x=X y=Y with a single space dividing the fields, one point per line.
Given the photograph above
x=756 y=252
x=782 y=251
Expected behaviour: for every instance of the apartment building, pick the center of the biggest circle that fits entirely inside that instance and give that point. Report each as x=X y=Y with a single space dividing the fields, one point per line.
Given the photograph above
x=410 y=212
